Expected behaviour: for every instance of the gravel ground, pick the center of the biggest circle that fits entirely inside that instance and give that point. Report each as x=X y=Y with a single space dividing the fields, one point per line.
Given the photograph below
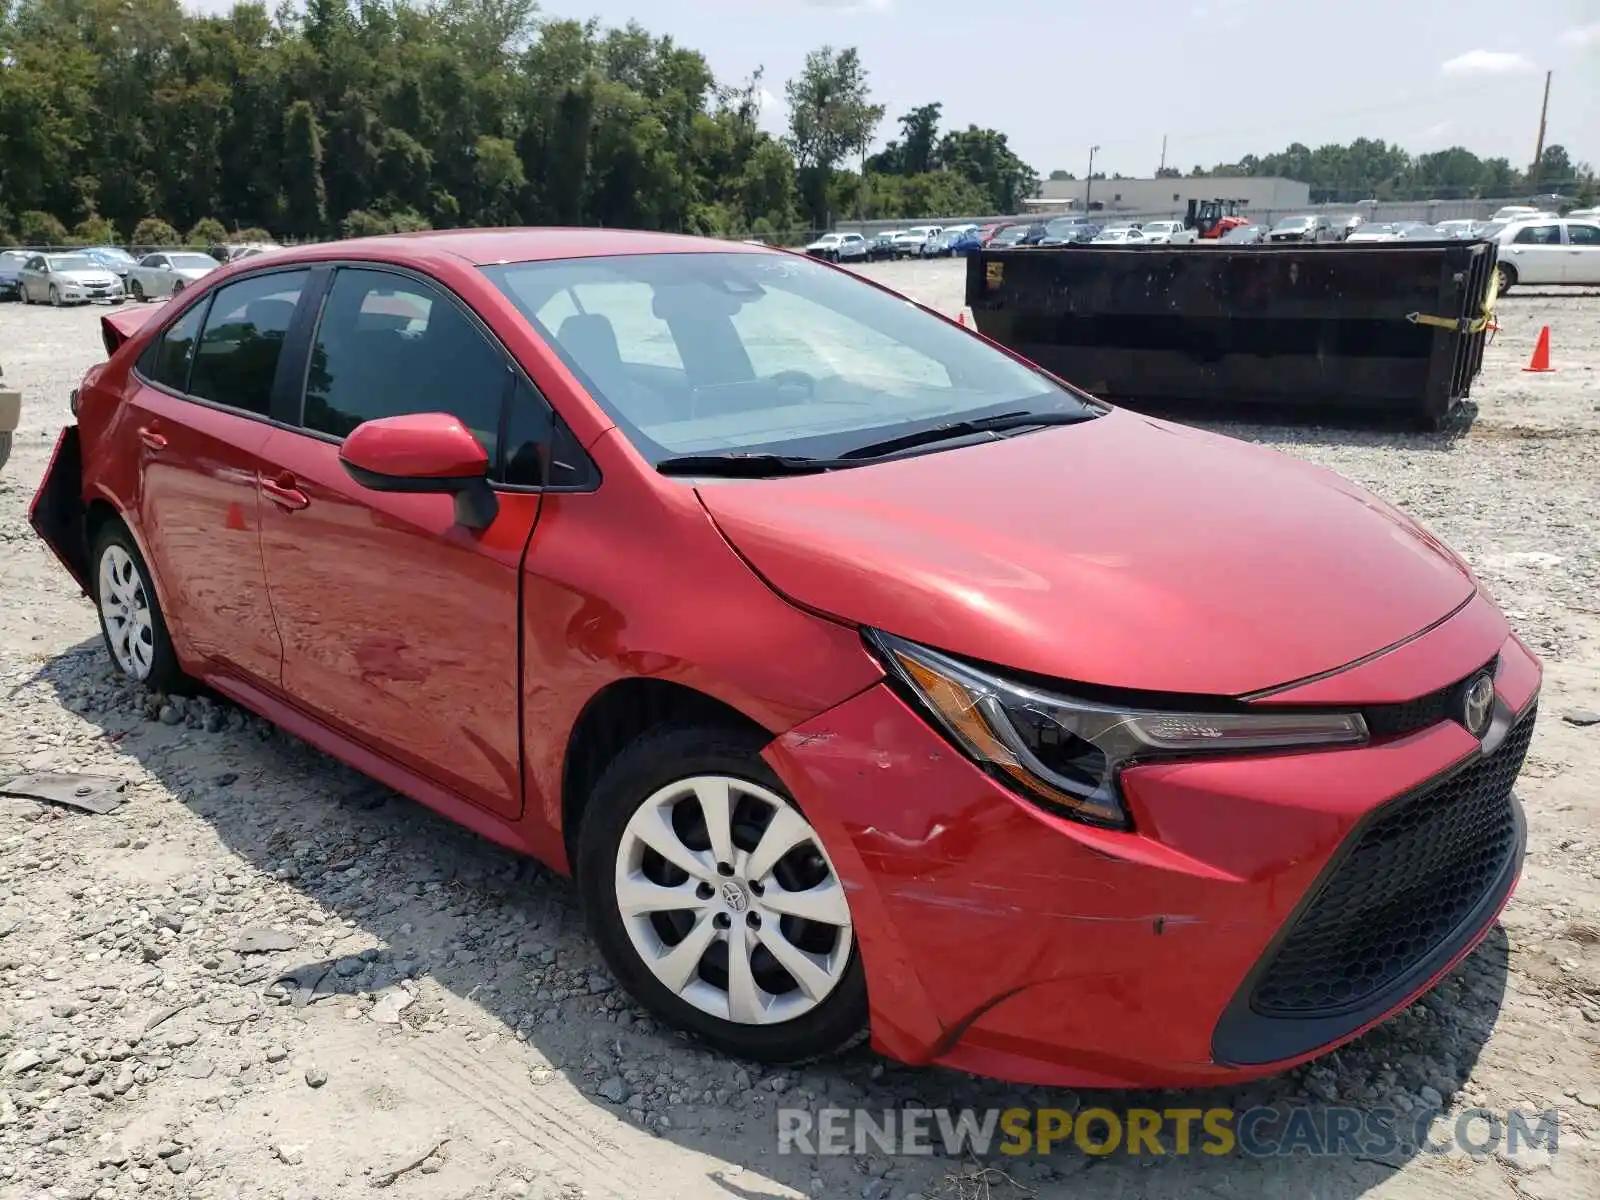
x=446 y=1018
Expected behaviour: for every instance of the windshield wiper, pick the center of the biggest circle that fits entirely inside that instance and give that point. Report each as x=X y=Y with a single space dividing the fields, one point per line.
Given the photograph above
x=749 y=466
x=1021 y=419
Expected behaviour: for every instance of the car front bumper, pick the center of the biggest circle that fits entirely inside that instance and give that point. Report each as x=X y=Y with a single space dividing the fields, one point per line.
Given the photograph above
x=1206 y=945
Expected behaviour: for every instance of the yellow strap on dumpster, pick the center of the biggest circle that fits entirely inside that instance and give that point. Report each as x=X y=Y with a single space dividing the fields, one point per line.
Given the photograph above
x=1464 y=324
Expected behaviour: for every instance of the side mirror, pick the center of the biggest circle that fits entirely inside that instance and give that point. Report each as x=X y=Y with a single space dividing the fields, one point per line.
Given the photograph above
x=424 y=453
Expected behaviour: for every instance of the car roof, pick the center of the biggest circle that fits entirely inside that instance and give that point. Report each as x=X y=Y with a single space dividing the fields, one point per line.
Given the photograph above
x=487 y=247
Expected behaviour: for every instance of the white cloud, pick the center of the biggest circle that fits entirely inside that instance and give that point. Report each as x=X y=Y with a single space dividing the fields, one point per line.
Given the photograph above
x=1434 y=132
x=765 y=99
x=1487 y=62
x=1585 y=37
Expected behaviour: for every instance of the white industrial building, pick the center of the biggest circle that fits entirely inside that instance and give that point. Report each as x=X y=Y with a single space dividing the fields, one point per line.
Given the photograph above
x=1259 y=193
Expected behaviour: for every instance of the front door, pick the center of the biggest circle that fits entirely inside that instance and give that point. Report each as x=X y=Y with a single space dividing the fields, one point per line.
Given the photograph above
x=1536 y=253
x=400 y=627
x=199 y=420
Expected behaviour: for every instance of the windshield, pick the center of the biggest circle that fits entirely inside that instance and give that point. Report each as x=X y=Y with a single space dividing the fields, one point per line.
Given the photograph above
x=1293 y=223
x=194 y=262
x=720 y=353
x=115 y=255
x=73 y=262
x=1244 y=233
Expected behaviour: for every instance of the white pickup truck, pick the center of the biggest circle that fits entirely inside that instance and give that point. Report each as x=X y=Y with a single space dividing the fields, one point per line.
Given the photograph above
x=10 y=418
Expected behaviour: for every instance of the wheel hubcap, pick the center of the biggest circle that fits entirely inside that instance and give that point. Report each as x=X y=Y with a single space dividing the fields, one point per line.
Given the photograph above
x=730 y=900
x=125 y=607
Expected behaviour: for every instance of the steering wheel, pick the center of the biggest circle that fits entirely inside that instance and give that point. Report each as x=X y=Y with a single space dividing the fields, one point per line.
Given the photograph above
x=793 y=385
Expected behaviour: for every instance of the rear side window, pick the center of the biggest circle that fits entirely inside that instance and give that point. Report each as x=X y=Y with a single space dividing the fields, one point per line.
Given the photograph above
x=237 y=358
x=1539 y=235
x=167 y=360
x=388 y=346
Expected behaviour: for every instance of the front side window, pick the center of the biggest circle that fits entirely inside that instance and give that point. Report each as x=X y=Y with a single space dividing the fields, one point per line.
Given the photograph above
x=390 y=346
x=730 y=353
x=237 y=358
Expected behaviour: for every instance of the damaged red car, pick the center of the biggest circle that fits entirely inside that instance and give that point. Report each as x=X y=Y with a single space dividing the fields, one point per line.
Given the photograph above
x=867 y=678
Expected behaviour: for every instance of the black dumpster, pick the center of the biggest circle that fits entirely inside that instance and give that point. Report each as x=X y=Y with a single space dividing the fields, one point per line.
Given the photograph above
x=1394 y=329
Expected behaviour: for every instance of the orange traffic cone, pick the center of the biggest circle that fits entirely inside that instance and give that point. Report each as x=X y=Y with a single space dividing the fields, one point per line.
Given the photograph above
x=1540 y=362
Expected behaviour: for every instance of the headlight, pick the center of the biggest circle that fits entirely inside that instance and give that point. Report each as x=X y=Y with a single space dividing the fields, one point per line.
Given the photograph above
x=1068 y=753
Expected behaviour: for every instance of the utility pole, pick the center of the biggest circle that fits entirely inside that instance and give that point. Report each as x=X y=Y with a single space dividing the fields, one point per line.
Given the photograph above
x=1163 y=165
x=1088 y=184
x=1538 y=152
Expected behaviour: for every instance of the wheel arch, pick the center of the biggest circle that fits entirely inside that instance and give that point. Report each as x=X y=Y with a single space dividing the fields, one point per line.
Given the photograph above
x=616 y=715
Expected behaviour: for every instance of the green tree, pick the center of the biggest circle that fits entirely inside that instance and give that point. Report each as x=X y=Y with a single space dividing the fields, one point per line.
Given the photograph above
x=305 y=200
x=831 y=116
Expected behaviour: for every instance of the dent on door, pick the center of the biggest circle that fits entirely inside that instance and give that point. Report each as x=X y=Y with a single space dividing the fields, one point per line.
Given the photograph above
x=399 y=626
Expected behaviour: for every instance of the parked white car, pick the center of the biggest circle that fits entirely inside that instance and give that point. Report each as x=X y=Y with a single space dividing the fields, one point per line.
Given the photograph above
x=839 y=247
x=1549 y=251
x=159 y=276
x=910 y=242
x=68 y=279
x=1124 y=236
x=1458 y=229
x=1371 y=231
x=1168 y=233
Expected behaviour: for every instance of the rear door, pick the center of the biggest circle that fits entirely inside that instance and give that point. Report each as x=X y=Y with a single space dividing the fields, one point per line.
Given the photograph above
x=400 y=626
x=197 y=422
x=1583 y=254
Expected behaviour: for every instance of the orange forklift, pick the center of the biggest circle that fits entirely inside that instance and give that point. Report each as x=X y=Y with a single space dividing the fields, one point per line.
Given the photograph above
x=1211 y=219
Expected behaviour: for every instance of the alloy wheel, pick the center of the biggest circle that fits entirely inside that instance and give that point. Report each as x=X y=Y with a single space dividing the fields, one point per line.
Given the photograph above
x=125 y=607
x=730 y=901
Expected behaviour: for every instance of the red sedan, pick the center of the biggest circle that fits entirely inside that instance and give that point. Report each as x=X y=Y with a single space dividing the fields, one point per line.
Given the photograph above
x=865 y=676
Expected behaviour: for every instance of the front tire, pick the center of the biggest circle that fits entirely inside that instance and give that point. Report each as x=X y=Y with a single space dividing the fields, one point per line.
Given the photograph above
x=713 y=901
x=55 y=297
x=131 y=624
x=1507 y=277
x=136 y=289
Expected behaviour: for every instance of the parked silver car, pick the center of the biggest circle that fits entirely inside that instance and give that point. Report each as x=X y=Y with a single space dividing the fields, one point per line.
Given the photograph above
x=159 y=276
x=68 y=279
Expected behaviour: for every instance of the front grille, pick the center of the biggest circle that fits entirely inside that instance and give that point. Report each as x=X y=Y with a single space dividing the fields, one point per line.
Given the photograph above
x=1393 y=720
x=1413 y=875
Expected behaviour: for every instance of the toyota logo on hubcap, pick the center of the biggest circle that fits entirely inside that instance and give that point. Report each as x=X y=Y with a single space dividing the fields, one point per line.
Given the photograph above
x=1478 y=705
x=733 y=896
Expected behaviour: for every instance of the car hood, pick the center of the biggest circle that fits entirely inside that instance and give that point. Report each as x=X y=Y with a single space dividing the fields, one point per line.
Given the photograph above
x=91 y=278
x=1124 y=552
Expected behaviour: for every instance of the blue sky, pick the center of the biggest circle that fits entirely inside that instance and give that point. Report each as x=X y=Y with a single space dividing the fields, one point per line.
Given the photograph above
x=1218 y=78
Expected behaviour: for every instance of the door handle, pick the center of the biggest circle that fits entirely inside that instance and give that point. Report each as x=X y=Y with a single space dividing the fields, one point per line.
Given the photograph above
x=282 y=492
x=152 y=439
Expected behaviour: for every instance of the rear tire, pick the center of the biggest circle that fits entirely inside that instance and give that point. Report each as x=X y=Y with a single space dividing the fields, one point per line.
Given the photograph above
x=1508 y=277
x=136 y=290
x=131 y=622
x=652 y=791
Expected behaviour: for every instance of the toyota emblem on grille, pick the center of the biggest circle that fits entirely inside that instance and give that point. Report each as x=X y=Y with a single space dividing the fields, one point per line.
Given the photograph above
x=1477 y=705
